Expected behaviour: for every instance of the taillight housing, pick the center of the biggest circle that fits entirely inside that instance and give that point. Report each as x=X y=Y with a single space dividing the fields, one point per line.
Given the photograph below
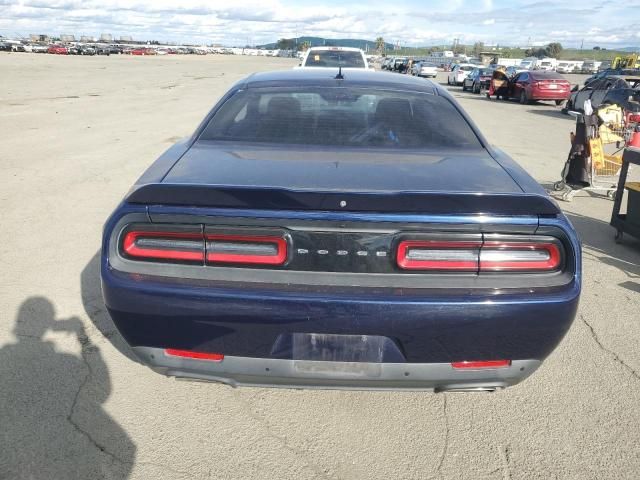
x=246 y=249
x=149 y=243
x=481 y=254
x=454 y=255
x=211 y=245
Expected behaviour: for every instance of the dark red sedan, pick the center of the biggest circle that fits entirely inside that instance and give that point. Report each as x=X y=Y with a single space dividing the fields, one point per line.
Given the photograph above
x=539 y=85
x=58 y=50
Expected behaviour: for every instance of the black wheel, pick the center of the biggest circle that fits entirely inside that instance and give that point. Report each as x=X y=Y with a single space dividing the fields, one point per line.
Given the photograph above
x=448 y=80
x=523 y=98
x=464 y=87
x=559 y=102
x=559 y=186
x=476 y=88
x=618 y=237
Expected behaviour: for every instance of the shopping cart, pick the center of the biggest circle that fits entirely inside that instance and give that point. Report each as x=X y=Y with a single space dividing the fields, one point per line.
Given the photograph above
x=595 y=158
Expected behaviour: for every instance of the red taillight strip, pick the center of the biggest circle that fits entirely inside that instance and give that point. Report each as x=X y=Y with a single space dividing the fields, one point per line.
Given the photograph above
x=478 y=364
x=404 y=260
x=130 y=247
x=551 y=263
x=224 y=257
x=212 y=357
x=469 y=255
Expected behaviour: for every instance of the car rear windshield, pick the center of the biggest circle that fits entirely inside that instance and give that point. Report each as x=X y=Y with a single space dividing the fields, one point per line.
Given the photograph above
x=334 y=58
x=466 y=68
x=341 y=116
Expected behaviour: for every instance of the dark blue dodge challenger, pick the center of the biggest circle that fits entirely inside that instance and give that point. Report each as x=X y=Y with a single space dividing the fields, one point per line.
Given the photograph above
x=337 y=230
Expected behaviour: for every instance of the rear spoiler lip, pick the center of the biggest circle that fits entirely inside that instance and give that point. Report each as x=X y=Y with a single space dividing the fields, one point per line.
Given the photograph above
x=271 y=198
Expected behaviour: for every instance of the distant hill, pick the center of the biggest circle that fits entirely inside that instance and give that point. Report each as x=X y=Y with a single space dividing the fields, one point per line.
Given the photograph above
x=333 y=42
x=629 y=49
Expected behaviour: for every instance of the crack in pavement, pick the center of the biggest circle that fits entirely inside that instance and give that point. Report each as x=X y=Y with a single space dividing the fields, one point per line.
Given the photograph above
x=282 y=440
x=506 y=462
x=86 y=347
x=445 y=447
x=615 y=356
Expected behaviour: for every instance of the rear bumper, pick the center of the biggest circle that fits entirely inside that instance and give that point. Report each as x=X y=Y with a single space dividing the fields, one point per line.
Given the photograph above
x=550 y=95
x=248 y=321
x=269 y=372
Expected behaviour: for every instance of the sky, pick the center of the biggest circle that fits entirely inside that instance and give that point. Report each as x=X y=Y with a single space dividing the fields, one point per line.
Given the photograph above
x=410 y=22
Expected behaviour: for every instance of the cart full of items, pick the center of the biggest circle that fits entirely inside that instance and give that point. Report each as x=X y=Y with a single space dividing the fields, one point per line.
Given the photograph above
x=595 y=157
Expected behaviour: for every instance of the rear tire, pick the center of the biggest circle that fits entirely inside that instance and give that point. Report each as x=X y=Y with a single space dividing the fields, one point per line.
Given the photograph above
x=464 y=87
x=448 y=80
x=523 y=98
x=559 y=102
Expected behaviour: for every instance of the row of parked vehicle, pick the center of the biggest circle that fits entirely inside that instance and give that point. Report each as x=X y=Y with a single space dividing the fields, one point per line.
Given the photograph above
x=98 y=49
x=417 y=67
x=511 y=83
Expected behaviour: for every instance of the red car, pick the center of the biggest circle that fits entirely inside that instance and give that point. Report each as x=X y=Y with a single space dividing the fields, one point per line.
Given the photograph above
x=539 y=85
x=143 y=51
x=58 y=50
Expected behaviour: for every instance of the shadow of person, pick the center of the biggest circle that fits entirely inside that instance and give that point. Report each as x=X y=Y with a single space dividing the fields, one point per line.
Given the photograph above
x=94 y=307
x=52 y=424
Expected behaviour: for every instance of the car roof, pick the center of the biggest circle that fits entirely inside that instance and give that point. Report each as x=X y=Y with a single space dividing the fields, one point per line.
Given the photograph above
x=326 y=77
x=342 y=49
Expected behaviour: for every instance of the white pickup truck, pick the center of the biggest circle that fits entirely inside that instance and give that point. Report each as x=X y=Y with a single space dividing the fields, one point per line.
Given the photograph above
x=334 y=57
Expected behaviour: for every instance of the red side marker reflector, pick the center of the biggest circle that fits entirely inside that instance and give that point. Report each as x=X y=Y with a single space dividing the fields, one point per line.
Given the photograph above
x=212 y=357
x=481 y=364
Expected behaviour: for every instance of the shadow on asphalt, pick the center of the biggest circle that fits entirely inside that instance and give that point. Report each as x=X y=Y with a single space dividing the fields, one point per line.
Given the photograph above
x=95 y=309
x=52 y=421
x=598 y=238
x=552 y=114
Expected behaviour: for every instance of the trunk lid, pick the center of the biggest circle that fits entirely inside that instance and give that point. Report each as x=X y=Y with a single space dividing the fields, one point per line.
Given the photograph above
x=302 y=178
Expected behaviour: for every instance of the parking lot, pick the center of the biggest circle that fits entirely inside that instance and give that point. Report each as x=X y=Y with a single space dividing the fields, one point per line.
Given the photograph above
x=77 y=132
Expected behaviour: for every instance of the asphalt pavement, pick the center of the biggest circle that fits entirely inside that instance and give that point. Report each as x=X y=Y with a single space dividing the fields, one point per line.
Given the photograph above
x=75 y=134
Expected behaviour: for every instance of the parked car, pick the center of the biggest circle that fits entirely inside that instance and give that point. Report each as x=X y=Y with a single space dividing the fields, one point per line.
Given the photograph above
x=58 y=50
x=103 y=50
x=334 y=57
x=459 y=72
x=590 y=66
x=386 y=63
x=39 y=48
x=143 y=51
x=477 y=80
x=512 y=71
x=623 y=90
x=5 y=47
x=399 y=64
x=424 y=69
x=605 y=65
x=360 y=234
x=539 y=85
x=564 y=67
x=115 y=49
x=87 y=50
x=624 y=72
